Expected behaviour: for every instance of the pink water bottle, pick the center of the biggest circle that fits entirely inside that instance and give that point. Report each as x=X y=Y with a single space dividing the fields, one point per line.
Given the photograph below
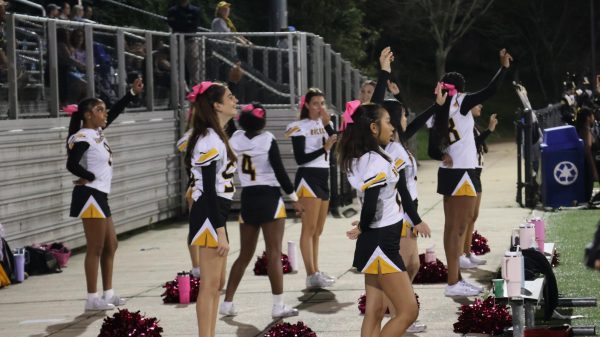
x=183 y=283
x=526 y=235
x=540 y=232
x=512 y=272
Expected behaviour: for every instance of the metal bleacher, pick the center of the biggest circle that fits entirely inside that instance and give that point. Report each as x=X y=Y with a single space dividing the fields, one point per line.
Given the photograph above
x=148 y=181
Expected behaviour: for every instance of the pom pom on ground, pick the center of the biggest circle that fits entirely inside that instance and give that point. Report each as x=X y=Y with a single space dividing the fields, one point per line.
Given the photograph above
x=290 y=330
x=432 y=272
x=479 y=244
x=483 y=317
x=260 y=267
x=132 y=324
x=171 y=293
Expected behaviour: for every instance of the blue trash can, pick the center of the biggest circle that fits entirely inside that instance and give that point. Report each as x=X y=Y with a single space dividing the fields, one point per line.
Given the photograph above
x=562 y=167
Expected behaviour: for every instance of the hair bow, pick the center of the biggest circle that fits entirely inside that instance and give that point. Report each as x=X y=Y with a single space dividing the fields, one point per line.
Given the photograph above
x=347 y=116
x=256 y=112
x=198 y=89
x=70 y=109
x=451 y=89
x=301 y=103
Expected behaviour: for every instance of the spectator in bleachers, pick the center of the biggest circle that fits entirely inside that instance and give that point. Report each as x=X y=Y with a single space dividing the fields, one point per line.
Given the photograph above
x=78 y=13
x=222 y=23
x=65 y=13
x=137 y=48
x=162 y=66
x=53 y=11
x=89 y=12
x=185 y=18
x=77 y=41
x=71 y=73
x=366 y=91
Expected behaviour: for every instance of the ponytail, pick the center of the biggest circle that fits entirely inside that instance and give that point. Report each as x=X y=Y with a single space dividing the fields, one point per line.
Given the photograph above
x=77 y=117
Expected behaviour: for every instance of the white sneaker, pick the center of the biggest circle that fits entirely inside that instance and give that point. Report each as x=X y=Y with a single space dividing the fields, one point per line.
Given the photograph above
x=476 y=260
x=316 y=280
x=331 y=278
x=115 y=300
x=465 y=263
x=460 y=289
x=281 y=311
x=471 y=285
x=415 y=327
x=227 y=309
x=98 y=304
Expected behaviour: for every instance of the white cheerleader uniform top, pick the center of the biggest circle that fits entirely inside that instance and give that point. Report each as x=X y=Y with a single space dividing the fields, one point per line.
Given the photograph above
x=401 y=156
x=97 y=159
x=210 y=148
x=254 y=168
x=462 y=147
x=316 y=136
x=371 y=170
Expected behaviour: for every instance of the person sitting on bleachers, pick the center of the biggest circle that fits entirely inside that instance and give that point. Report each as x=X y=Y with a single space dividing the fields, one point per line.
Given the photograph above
x=53 y=11
x=65 y=13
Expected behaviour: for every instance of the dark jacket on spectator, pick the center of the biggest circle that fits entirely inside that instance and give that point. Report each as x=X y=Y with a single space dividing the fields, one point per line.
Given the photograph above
x=183 y=19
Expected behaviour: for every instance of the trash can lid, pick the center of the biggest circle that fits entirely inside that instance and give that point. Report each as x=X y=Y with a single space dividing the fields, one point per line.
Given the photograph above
x=561 y=137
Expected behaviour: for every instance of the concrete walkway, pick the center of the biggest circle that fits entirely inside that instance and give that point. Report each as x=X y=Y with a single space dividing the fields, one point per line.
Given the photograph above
x=52 y=305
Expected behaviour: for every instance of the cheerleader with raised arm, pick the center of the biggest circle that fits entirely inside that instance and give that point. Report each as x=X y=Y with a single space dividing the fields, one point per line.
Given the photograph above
x=262 y=175
x=382 y=190
x=452 y=141
x=468 y=260
x=90 y=159
x=312 y=138
x=212 y=163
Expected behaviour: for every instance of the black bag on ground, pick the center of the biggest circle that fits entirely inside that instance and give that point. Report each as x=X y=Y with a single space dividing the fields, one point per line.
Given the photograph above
x=8 y=261
x=535 y=264
x=41 y=262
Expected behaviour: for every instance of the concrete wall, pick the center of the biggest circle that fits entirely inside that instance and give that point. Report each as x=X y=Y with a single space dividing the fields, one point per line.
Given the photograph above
x=35 y=186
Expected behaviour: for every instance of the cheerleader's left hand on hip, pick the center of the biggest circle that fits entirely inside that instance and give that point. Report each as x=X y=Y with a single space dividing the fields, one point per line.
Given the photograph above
x=80 y=182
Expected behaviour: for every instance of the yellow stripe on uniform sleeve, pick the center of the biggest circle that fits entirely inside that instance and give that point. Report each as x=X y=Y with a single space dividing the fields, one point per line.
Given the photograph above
x=378 y=179
x=182 y=147
x=207 y=156
x=399 y=164
x=292 y=130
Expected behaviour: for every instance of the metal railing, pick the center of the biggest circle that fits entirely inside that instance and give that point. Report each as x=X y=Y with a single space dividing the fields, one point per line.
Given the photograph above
x=278 y=68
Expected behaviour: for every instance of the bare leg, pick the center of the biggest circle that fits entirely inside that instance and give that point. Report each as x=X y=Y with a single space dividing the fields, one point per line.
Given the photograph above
x=323 y=210
x=398 y=289
x=371 y=324
x=211 y=265
x=222 y=271
x=309 y=228
x=471 y=227
x=273 y=233
x=108 y=254
x=457 y=212
x=248 y=239
x=95 y=234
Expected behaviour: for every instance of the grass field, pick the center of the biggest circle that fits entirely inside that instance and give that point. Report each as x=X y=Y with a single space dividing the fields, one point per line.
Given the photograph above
x=572 y=231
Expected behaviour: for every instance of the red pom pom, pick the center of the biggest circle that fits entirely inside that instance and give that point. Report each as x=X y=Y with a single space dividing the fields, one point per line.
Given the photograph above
x=479 y=244
x=290 y=330
x=432 y=272
x=483 y=317
x=171 y=293
x=133 y=324
x=362 y=304
x=260 y=267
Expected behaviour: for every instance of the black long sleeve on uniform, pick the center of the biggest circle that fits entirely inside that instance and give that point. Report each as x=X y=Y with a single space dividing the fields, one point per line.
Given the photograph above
x=480 y=140
x=299 y=146
x=118 y=108
x=74 y=157
x=433 y=149
x=419 y=121
x=369 y=208
x=472 y=99
x=277 y=165
x=209 y=192
x=407 y=202
x=381 y=86
x=329 y=129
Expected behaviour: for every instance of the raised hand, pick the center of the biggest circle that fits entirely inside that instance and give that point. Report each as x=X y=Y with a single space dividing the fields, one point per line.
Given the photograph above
x=505 y=58
x=393 y=88
x=385 y=59
x=493 y=123
x=440 y=96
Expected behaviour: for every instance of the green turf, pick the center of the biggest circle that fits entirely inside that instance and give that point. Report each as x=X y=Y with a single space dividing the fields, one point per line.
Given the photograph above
x=572 y=231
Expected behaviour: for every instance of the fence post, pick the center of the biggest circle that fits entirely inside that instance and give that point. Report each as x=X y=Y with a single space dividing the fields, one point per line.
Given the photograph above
x=291 y=66
x=202 y=60
x=173 y=52
x=303 y=64
x=13 y=90
x=89 y=60
x=182 y=70
x=149 y=78
x=338 y=82
x=327 y=70
x=347 y=81
x=53 y=68
x=121 y=72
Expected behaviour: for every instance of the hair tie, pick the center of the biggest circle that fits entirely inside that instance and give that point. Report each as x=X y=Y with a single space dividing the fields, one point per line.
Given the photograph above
x=256 y=112
x=301 y=103
x=198 y=89
x=70 y=109
x=347 y=116
x=451 y=88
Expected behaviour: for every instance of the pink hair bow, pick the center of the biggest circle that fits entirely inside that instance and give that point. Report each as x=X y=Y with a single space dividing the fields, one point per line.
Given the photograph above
x=198 y=89
x=70 y=109
x=301 y=103
x=451 y=89
x=347 y=116
x=256 y=112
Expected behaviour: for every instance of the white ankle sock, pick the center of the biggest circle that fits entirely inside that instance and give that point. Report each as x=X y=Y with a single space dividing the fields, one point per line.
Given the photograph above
x=92 y=296
x=278 y=299
x=108 y=294
x=196 y=272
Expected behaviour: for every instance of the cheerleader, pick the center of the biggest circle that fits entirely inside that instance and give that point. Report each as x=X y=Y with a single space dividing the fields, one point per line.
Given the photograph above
x=453 y=142
x=468 y=260
x=372 y=172
x=312 y=139
x=212 y=164
x=90 y=159
x=261 y=175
